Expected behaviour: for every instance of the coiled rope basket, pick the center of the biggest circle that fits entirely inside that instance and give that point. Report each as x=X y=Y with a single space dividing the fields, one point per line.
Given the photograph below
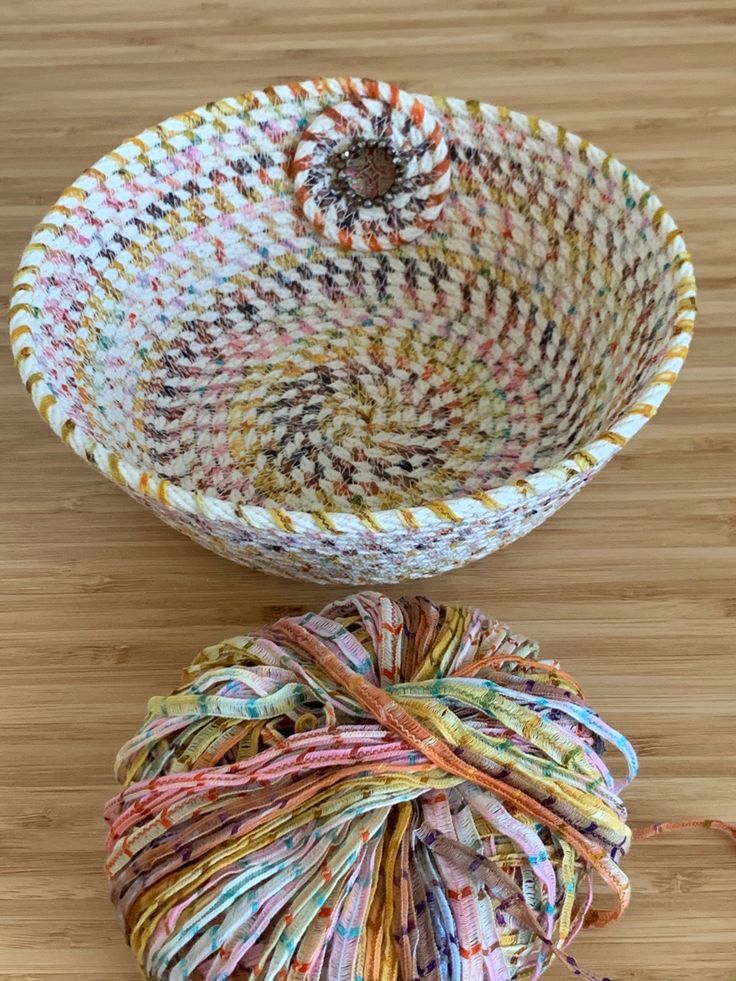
x=337 y=331
x=389 y=789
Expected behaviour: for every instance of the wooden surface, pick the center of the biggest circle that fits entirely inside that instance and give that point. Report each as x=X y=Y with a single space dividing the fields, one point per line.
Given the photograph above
x=631 y=585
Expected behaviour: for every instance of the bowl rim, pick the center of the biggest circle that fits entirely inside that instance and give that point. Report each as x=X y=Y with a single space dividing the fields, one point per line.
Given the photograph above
x=586 y=459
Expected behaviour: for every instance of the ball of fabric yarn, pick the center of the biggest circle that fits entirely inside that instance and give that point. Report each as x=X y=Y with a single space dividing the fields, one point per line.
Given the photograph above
x=389 y=789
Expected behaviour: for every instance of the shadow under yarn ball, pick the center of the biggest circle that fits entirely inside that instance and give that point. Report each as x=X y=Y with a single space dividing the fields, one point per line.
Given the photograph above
x=387 y=789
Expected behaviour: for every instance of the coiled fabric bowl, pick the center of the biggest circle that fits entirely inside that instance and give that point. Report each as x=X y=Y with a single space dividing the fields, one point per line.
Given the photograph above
x=336 y=331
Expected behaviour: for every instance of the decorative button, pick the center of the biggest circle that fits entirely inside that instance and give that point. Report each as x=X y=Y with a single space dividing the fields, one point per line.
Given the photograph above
x=372 y=172
x=369 y=173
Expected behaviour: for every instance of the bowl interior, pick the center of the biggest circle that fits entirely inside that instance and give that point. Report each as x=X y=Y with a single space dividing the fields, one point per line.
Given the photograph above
x=191 y=320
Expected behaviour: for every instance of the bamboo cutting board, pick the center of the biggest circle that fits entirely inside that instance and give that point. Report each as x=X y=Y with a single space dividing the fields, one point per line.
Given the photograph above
x=631 y=585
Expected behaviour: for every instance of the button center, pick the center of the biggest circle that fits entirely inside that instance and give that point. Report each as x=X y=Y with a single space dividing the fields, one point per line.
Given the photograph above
x=368 y=172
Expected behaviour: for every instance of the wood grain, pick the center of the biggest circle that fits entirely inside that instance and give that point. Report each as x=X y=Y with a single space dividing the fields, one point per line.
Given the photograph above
x=631 y=585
